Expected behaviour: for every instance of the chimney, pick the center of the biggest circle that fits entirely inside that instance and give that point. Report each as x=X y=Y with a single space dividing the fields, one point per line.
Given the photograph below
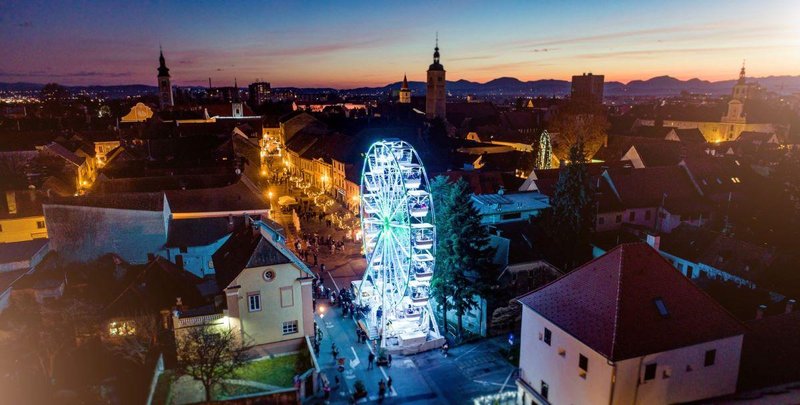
x=11 y=202
x=654 y=241
x=790 y=305
x=760 y=311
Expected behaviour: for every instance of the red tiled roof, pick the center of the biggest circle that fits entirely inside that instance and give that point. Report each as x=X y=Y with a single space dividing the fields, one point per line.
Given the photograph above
x=609 y=305
x=649 y=186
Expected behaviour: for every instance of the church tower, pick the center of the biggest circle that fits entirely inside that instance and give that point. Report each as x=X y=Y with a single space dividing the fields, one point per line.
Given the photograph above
x=405 y=93
x=740 y=88
x=164 y=86
x=436 y=94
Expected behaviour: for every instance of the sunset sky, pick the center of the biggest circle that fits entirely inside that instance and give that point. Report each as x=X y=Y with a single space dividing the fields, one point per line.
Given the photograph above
x=371 y=43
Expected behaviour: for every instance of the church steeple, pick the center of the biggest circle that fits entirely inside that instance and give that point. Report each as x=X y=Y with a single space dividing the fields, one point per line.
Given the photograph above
x=164 y=86
x=405 y=82
x=741 y=74
x=436 y=95
x=405 y=92
x=163 y=70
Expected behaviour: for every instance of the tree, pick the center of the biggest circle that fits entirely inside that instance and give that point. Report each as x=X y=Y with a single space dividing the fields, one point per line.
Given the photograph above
x=137 y=346
x=441 y=283
x=209 y=356
x=463 y=254
x=54 y=98
x=574 y=123
x=571 y=220
x=544 y=155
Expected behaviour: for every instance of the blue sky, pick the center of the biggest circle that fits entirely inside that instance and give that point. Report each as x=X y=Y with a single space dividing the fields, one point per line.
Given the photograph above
x=355 y=43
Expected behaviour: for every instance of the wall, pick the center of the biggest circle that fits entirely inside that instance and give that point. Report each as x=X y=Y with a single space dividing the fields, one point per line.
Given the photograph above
x=196 y=259
x=539 y=361
x=682 y=384
x=22 y=229
x=83 y=234
x=265 y=326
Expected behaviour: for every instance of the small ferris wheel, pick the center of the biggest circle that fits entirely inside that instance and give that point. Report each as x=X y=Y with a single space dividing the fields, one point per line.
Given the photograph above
x=399 y=238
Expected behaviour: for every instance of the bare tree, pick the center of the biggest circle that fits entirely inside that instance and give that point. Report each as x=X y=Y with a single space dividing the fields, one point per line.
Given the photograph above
x=209 y=356
x=136 y=346
x=578 y=122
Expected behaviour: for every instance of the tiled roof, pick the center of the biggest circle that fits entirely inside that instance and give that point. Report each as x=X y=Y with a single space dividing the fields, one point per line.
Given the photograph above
x=771 y=352
x=690 y=135
x=236 y=197
x=609 y=304
x=246 y=248
x=64 y=153
x=20 y=251
x=754 y=137
x=123 y=201
x=201 y=231
x=649 y=186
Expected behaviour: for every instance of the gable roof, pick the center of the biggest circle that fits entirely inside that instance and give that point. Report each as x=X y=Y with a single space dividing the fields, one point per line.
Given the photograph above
x=650 y=186
x=122 y=201
x=247 y=248
x=609 y=304
x=201 y=231
x=64 y=153
x=690 y=135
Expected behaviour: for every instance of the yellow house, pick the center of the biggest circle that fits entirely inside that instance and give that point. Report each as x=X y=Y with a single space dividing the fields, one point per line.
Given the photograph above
x=21 y=217
x=267 y=292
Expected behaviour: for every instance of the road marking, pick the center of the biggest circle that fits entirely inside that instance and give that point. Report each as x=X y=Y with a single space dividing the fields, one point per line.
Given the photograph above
x=334 y=282
x=355 y=362
x=467 y=352
x=506 y=381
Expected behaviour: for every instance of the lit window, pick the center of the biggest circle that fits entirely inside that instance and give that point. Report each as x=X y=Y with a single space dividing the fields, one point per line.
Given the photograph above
x=661 y=307
x=711 y=357
x=650 y=371
x=547 y=336
x=289 y=327
x=254 y=302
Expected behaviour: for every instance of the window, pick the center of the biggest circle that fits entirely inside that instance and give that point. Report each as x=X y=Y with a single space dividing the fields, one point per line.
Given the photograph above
x=544 y=390
x=254 y=302
x=661 y=307
x=650 y=371
x=547 y=336
x=184 y=249
x=40 y=224
x=647 y=215
x=1 y=228
x=287 y=297
x=711 y=357
x=513 y=215
x=632 y=216
x=289 y=327
x=619 y=218
x=601 y=220
x=583 y=363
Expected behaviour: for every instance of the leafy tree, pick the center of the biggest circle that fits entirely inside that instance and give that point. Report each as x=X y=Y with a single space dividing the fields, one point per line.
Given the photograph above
x=571 y=220
x=209 y=356
x=578 y=123
x=464 y=257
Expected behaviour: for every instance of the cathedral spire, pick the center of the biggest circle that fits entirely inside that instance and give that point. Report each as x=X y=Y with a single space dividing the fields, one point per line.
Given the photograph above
x=405 y=82
x=436 y=50
x=163 y=70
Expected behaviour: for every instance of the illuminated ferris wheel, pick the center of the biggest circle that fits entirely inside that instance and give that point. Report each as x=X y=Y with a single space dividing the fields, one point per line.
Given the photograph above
x=399 y=240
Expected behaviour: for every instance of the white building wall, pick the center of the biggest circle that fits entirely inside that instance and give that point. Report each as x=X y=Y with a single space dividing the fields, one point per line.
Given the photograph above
x=541 y=362
x=680 y=374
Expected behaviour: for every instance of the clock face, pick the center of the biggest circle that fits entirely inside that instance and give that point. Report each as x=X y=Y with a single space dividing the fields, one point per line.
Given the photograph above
x=269 y=275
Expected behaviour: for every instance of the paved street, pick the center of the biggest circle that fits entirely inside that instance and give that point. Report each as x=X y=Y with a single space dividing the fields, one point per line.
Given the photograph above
x=469 y=371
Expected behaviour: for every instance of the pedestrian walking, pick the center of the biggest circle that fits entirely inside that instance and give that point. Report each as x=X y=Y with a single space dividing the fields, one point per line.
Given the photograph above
x=381 y=389
x=371 y=359
x=389 y=384
x=389 y=360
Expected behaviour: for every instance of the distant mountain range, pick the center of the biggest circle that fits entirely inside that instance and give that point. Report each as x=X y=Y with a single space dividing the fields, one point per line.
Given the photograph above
x=508 y=86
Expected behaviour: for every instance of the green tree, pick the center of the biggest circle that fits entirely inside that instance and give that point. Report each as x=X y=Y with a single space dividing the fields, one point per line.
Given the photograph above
x=463 y=254
x=571 y=220
x=54 y=99
x=209 y=356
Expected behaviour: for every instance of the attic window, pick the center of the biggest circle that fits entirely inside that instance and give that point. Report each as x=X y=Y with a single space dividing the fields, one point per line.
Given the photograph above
x=661 y=307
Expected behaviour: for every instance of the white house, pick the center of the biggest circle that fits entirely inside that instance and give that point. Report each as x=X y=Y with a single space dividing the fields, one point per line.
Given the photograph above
x=626 y=328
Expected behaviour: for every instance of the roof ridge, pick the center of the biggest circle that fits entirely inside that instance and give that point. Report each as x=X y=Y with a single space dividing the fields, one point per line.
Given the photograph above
x=618 y=304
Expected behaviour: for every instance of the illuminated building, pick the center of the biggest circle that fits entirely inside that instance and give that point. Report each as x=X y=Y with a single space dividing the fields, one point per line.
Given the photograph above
x=436 y=95
x=258 y=93
x=405 y=93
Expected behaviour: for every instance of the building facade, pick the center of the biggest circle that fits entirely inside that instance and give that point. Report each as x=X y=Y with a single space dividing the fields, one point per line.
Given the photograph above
x=626 y=328
x=587 y=88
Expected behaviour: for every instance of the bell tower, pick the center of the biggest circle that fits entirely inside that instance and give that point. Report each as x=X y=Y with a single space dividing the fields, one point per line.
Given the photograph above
x=435 y=96
x=405 y=92
x=164 y=86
